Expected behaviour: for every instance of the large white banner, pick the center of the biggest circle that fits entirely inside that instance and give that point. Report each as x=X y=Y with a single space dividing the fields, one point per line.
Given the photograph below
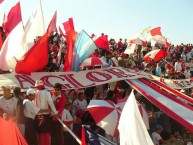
x=172 y=83
x=84 y=79
x=70 y=80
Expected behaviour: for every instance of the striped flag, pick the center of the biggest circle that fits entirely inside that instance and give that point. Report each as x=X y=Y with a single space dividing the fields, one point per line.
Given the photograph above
x=84 y=47
x=92 y=138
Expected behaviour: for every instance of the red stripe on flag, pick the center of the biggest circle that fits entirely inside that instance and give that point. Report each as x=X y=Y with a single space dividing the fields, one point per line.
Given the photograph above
x=161 y=106
x=156 y=31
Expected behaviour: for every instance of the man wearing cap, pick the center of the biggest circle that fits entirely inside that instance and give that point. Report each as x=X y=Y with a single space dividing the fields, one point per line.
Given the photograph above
x=30 y=112
x=8 y=103
x=43 y=100
x=56 y=128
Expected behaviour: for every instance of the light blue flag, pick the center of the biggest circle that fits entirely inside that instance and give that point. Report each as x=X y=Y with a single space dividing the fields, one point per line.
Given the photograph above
x=84 y=47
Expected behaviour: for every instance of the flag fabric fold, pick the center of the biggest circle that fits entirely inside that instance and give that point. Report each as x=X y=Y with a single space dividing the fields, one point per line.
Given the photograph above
x=156 y=35
x=84 y=47
x=131 y=126
x=70 y=39
x=102 y=42
x=13 y=18
x=33 y=28
x=9 y=129
x=52 y=26
x=12 y=49
x=36 y=58
x=69 y=25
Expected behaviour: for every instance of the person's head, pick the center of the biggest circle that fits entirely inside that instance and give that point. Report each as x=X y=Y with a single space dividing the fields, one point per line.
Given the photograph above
x=39 y=85
x=6 y=91
x=57 y=89
x=31 y=94
x=108 y=54
x=81 y=96
x=159 y=129
x=17 y=92
x=68 y=106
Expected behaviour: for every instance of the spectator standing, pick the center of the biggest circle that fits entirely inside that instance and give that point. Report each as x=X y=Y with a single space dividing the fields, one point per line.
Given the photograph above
x=8 y=103
x=178 y=66
x=30 y=112
x=56 y=128
x=79 y=104
x=191 y=67
x=20 y=118
x=44 y=100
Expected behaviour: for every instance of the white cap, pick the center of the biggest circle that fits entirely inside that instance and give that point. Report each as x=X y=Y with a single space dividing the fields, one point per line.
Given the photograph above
x=39 y=83
x=30 y=91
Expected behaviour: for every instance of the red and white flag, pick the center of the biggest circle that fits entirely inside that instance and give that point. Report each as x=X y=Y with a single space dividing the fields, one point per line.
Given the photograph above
x=12 y=49
x=13 y=18
x=36 y=58
x=156 y=35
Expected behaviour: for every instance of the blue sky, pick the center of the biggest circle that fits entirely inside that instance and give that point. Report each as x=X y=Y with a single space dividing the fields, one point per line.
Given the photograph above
x=117 y=18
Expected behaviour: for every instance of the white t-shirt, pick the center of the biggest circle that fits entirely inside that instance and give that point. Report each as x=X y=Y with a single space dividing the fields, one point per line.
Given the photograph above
x=44 y=100
x=77 y=104
x=9 y=105
x=30 y=110
x=178 y=66
x=155 y=138
x=66 y=116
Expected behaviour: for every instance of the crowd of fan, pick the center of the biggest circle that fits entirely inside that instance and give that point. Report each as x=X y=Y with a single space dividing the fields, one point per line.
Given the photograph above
x=177 y=65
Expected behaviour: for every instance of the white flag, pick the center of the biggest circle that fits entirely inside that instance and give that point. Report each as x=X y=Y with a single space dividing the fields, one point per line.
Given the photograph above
x=131 y=126
x=12 y=49
x=34 y=27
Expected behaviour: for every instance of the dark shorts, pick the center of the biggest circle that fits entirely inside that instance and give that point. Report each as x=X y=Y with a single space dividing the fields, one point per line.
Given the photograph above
x=43 y=123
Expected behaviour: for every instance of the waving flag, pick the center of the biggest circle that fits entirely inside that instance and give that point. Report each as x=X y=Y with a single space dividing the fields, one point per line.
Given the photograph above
x=156 y=35
x=69 y=25
x=52 y=26
x=145 y=31
x=102 y=42
x=34 y=27
x=13 y=18
x=12 y=49
x=71 y=38
x=131 y=126
x=84 y=47
x=36 y=58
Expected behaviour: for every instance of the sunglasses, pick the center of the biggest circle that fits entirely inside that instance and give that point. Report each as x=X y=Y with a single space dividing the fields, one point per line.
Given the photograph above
x=56 y=89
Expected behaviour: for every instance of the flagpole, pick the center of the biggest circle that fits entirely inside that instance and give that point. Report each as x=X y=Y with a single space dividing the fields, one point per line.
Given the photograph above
x=75 y=137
